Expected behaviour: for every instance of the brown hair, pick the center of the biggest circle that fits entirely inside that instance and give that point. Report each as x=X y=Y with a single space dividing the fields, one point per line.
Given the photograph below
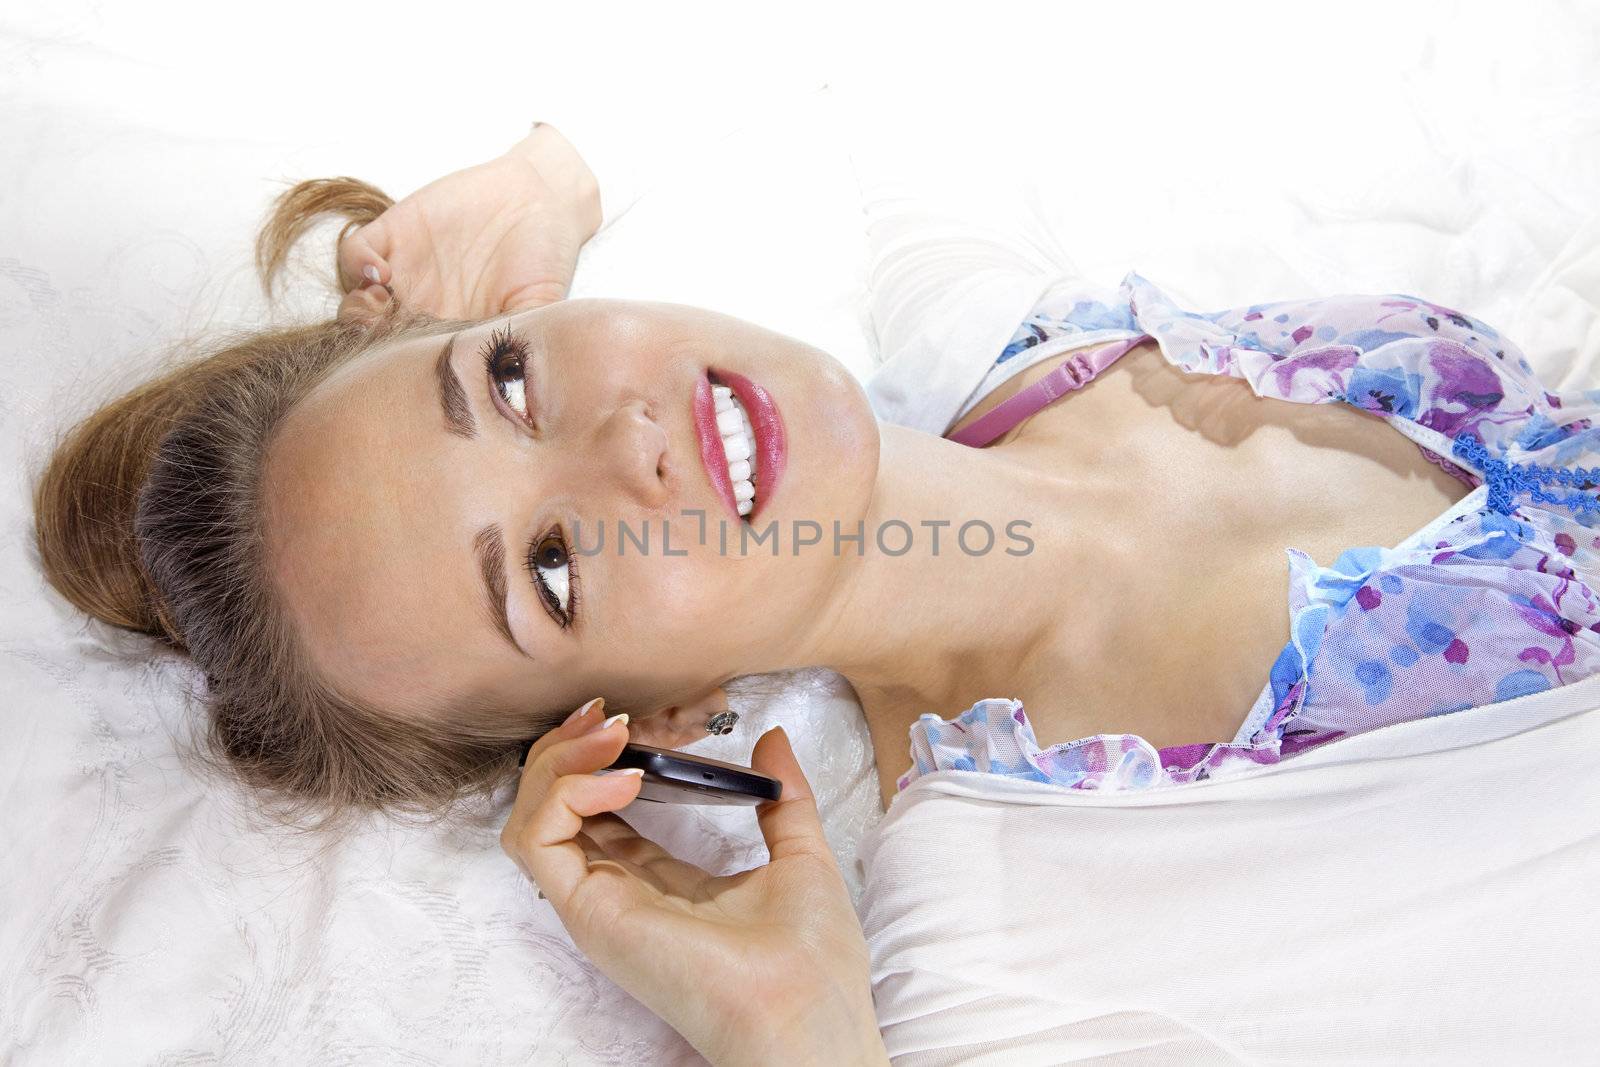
x=148 y=517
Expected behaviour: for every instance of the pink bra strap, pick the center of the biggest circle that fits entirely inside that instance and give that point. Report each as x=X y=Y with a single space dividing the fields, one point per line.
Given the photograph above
x=1075 y=372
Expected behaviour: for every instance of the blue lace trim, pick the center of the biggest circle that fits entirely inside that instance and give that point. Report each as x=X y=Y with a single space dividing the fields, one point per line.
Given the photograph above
x=1505 y=480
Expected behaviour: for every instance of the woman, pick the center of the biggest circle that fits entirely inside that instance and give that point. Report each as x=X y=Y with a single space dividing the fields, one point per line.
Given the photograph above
x=326 y=518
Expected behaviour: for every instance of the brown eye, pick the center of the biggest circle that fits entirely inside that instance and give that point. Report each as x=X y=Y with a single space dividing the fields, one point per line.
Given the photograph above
x=504 y=358
x=550 y=553
x=551 y=566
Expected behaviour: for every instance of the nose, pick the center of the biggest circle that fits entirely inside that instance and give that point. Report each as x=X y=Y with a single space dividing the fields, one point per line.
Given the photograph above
x=634 y=448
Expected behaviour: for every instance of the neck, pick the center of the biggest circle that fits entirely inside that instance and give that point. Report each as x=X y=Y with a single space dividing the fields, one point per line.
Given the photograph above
x=934 y=628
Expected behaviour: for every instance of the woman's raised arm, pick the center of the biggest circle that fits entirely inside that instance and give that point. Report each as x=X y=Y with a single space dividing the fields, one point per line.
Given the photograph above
x=498 y=237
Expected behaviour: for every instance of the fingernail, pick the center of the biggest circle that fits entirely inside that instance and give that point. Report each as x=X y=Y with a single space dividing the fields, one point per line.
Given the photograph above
x=621 y=770
x=581 y=712
x=370 y=273
x=621 y=719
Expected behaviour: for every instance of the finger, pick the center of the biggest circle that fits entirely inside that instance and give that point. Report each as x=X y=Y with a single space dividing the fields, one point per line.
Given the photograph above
x=583 y=743
x=598 y=852
x=790 y=824
x=366 y=304
x=530 y=787
x=591 y=851
x=364 y=257
x=546 y=844
x=580 y=745
x=575 y=725
x=644 y=857
x=591 y=848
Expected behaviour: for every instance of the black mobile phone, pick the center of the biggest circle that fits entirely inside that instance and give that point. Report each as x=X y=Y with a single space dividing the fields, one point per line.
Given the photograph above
x=679 y=778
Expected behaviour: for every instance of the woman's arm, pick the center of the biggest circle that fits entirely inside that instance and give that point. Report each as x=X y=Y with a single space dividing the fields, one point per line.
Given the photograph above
x=498 y=237
x=830 y=1030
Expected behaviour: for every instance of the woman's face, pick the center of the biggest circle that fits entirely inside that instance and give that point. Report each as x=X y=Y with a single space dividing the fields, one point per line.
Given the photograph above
x=432 y=481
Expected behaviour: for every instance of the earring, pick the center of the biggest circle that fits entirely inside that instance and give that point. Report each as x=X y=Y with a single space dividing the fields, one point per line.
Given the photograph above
x=722 y=722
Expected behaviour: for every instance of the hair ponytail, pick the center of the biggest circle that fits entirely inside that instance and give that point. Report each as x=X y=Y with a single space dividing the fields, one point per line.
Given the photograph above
x=299 y=207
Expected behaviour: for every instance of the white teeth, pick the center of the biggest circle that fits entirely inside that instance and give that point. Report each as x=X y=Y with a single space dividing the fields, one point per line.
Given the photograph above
x=738 y=446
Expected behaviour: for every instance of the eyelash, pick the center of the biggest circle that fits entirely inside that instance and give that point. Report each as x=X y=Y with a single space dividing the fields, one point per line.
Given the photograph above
x=547 y=596
x=503 y=343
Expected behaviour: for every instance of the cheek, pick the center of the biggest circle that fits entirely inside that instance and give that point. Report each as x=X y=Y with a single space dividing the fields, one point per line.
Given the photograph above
x=665 y=606
x=700 y=615
x=844 y=444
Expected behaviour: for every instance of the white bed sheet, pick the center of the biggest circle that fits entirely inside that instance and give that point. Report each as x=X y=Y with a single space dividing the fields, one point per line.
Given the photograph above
x=145 y=913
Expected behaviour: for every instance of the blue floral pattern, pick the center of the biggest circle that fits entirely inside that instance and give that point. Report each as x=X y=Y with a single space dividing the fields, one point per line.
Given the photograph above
x=1494 y=600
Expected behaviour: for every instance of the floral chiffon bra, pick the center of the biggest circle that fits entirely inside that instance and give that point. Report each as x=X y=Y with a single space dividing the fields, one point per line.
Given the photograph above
x=1493 y=600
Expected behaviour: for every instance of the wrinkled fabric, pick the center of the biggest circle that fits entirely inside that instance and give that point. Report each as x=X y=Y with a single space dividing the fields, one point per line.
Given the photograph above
x=1491 y=601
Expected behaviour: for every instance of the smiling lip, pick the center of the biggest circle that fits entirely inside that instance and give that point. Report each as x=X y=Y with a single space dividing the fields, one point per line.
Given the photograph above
x=771 y=450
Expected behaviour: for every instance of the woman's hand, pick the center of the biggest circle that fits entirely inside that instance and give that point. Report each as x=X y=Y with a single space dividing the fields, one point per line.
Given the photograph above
x=765 y=966
x=498 y=237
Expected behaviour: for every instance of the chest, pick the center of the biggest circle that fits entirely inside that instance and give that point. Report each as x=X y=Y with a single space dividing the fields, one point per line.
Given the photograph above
x=1197 y=487
x=1198 y=475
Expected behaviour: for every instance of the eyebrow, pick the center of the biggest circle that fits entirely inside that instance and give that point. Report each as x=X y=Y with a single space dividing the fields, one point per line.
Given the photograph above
x=452 y=397
x=490 y=549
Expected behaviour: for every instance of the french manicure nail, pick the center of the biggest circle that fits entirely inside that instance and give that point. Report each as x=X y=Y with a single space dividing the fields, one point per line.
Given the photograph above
x=581 y=712
x=621 y=770
x=370 y=273
x=621 y=718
